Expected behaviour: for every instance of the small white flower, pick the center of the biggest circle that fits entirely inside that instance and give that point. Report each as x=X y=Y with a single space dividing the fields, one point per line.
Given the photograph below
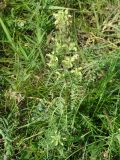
x=67 y=63
x=74 y=57
x=21 y=23
x=77 y=72
x=53 y=62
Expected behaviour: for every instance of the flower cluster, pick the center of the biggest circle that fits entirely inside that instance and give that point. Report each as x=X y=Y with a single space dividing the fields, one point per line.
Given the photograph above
x=64 y=55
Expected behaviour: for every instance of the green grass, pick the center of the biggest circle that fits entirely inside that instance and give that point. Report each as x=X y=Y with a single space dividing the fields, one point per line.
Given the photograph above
x=60 y=80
